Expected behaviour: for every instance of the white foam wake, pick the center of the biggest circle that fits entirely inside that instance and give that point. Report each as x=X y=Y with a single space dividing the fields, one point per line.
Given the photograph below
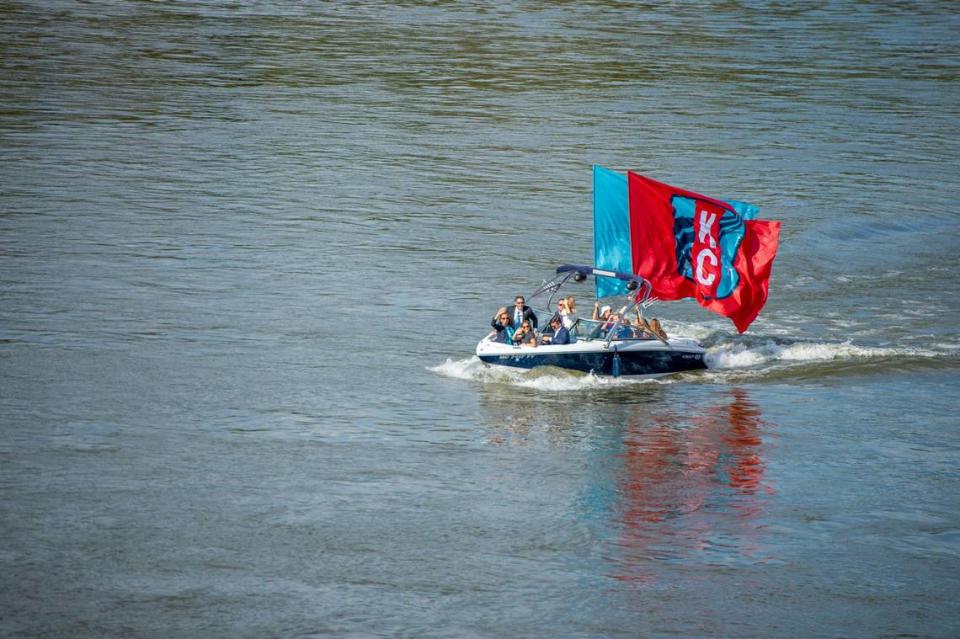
x=738 y=355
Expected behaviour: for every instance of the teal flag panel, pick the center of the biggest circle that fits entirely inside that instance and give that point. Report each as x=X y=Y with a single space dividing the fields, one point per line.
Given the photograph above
x=611 y=229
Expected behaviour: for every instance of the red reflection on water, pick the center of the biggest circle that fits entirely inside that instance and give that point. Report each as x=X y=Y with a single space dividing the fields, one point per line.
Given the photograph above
x=743 y=441
x=689 y=487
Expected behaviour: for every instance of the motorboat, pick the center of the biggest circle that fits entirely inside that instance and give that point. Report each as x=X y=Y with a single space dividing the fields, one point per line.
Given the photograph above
x=627 y=344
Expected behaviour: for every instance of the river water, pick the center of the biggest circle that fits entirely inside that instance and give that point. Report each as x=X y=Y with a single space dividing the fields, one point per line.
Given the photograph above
x=247 y=249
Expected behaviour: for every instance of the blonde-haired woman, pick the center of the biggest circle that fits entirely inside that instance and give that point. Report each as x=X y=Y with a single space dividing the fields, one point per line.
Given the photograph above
x=502 y=326
x=567 y=309
x=656 y=329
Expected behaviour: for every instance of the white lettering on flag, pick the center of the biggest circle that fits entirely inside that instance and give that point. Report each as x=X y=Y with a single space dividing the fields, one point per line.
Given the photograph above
x=706 y=224
x=705 y=278
x=705 y=237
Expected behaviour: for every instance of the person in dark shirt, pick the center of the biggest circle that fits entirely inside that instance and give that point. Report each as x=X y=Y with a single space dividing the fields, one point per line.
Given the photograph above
x=521 y=312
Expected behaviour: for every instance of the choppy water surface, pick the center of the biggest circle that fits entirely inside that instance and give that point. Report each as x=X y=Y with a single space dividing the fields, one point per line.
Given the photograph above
x=246 y=251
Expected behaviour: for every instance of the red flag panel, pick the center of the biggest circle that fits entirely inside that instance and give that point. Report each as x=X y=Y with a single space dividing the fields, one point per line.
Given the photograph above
x=655 y=232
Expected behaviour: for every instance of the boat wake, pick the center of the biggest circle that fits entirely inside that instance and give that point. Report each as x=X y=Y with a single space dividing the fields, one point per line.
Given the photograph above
x=729 y=359
x=777 y=359
x=744 y=354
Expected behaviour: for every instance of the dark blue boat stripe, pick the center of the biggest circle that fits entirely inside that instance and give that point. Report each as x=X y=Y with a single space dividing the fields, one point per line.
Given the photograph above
x=631 y=363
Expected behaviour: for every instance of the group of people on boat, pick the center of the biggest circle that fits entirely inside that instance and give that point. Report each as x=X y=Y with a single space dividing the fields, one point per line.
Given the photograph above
x=519 y=325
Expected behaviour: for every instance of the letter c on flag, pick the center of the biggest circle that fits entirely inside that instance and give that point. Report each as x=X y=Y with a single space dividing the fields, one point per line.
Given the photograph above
x=706 y=279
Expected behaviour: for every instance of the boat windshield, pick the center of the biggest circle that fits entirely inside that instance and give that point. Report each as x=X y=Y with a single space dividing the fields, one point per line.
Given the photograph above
x=586 y=329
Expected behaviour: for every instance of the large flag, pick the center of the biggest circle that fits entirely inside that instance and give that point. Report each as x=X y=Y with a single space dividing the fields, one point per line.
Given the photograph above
x=691 y=245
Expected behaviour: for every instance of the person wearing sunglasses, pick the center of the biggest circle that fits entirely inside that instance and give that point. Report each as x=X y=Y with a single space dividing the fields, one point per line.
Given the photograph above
x=525 y=335
x=521 y=312
x=503 y=327
x=567 y=311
